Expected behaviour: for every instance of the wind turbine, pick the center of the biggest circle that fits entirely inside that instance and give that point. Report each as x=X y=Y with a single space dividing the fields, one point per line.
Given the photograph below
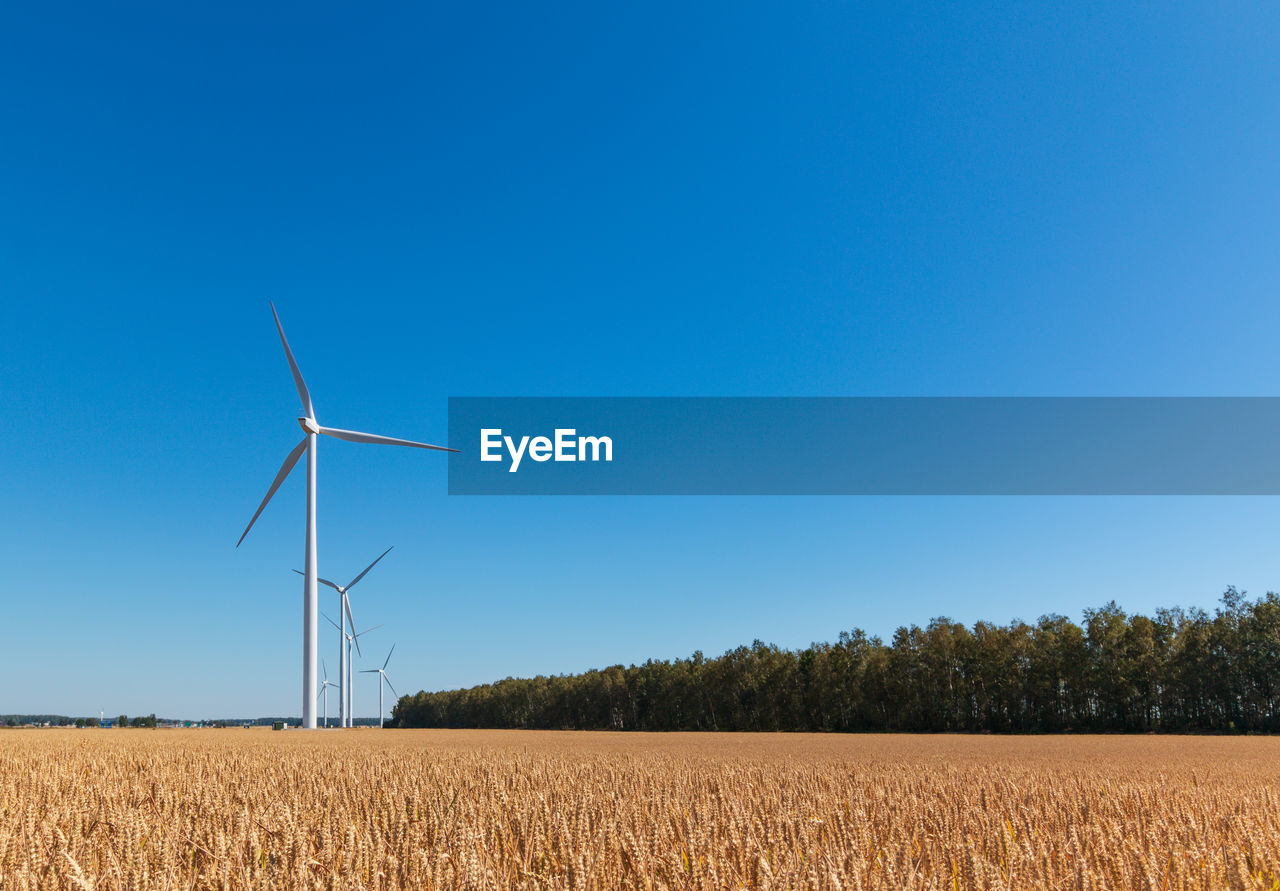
x=310 y=595
x=351 y=638
x=344 y=613
x=324 y=691
x=382 y=676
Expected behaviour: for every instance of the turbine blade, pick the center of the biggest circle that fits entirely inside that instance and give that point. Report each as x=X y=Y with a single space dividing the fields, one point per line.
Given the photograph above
x=355 y=436
x=368 y=670
x=325 y=669
x=367 y=630
x=367 y=568
x=392 y=650
x=293 y=366
x=331 y=622
x=275 y=484
x=321 y=581
x=388 y=680
x=346 y=604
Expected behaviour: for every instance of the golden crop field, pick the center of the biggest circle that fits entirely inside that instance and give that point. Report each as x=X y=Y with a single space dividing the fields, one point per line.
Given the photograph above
x=507 y=809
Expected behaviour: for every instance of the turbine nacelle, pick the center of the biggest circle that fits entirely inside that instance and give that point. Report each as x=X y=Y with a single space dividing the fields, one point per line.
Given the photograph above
x=309 y=426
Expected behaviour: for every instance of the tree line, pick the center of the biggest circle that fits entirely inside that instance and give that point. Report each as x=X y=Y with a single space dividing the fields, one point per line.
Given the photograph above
x=1177 y=670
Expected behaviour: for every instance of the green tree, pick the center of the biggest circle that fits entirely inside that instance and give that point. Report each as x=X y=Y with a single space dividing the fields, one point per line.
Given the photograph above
x=1176 y=670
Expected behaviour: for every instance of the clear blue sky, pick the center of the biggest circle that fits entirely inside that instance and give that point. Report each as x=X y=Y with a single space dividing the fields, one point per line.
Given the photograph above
x=661 y=199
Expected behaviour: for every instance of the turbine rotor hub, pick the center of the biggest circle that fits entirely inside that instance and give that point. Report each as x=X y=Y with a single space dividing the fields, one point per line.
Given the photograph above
x=309 y=425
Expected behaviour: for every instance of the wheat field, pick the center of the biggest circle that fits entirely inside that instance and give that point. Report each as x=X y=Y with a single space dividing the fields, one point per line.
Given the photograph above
x=508 y=809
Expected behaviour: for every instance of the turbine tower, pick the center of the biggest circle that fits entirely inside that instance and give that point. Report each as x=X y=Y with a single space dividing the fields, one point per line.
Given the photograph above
x=382 y=676
x=310 y=595
x=350 y=639
x=344 y=613
x=324 y=691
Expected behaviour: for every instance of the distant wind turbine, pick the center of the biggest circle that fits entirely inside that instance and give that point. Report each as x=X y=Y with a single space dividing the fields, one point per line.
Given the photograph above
x=310 y=595
x=351 y=639
x=382 y=676
x=344 y=613
x=324 y=691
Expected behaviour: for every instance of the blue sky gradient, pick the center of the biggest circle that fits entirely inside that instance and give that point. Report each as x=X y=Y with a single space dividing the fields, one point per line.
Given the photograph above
x=658 y=200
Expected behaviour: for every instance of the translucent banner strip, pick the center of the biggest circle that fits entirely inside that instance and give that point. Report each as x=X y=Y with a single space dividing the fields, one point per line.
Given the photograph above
x=865 y=446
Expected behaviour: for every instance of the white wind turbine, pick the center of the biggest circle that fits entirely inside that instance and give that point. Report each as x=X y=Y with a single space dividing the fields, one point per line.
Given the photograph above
x=350 y=639
x=310 y=595
x=382 y=676
x=344 y=613
x=324 y=691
